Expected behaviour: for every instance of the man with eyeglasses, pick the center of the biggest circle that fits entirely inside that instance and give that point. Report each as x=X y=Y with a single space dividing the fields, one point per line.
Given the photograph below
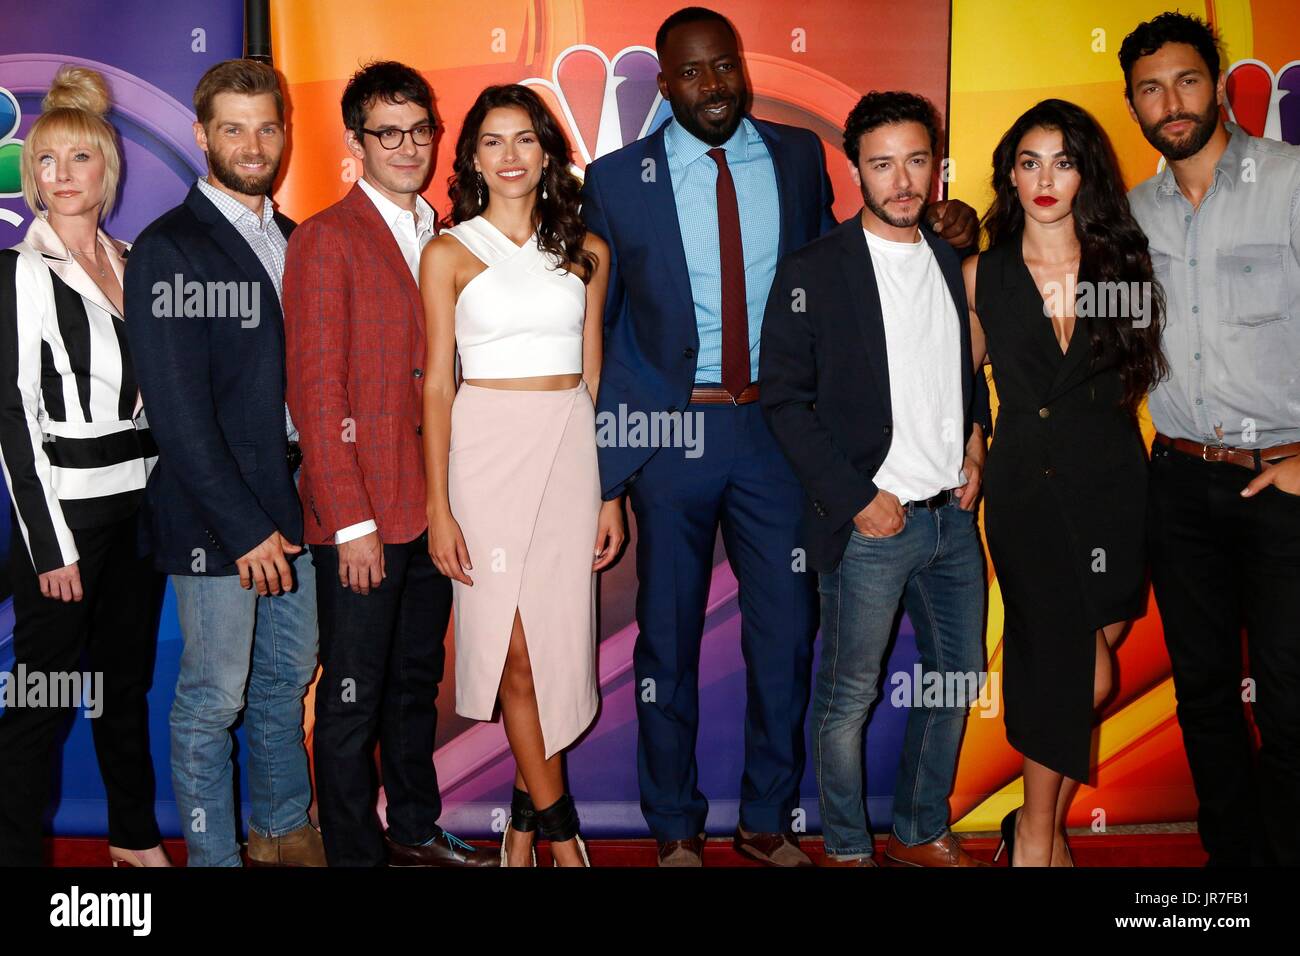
x=354 y=330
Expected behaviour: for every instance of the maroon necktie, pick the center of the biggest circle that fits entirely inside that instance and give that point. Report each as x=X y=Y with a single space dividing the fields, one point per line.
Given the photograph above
x=735 y=317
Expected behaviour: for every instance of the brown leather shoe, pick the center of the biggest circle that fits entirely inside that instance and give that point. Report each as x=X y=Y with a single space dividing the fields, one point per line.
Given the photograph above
x=773 y=849
x=682 y=852
x=300 y=847
x=945 y=851
x=445 y=850
x=837 y=861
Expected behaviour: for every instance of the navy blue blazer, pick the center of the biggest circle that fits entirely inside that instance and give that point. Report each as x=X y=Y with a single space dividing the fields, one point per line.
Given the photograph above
x=213 y=390
x=651 y=338
x=825 y=378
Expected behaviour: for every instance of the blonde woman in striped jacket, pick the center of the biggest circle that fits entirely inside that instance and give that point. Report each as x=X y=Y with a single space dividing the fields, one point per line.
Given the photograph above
x=76 y=454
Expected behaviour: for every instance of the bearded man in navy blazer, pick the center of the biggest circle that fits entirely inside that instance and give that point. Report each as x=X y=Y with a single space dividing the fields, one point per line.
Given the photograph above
x=224 y=517
x=696 y=216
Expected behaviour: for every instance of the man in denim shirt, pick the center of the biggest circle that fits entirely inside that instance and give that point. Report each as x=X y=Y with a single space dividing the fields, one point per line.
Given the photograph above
x=1223 y=220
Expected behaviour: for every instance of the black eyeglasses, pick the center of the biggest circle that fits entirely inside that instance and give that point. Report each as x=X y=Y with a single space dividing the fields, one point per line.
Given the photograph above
x=392 y=138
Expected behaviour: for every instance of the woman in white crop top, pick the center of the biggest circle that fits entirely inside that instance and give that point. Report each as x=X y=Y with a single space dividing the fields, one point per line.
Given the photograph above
x=516 y=288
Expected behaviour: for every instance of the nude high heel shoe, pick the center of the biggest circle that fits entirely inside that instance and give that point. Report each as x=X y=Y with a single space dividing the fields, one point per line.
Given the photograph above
x=559 y=822
x=121 y=857
x=522 y=819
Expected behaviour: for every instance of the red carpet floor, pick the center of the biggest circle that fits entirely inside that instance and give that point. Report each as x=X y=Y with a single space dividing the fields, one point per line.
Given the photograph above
x=1127 y=849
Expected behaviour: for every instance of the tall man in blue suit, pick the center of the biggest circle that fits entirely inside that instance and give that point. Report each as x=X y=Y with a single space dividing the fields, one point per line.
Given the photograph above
x=696 y=216
x=203 y=317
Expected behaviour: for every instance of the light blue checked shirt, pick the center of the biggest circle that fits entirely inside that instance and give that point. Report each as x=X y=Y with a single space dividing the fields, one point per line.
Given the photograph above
x=264 y=238
x=695 y=184
x=1230 y=271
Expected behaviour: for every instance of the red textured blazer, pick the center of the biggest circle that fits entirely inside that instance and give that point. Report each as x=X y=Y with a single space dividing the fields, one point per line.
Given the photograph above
x=354 y=342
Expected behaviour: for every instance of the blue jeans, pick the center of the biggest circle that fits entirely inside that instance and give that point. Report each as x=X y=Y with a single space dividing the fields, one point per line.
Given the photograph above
x=224 y=627
x=934 y=567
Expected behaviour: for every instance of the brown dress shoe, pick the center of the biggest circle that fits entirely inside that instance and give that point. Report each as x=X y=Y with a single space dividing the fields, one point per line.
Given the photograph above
x=682 y=852
x=445 y=850
x=945 y=851
x=300 y=847
x=773 y=849
x=837 y=861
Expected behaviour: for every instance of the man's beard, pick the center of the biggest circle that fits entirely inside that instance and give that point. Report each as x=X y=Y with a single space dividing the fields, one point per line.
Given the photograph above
x=713 y=135
x=231 y=178
x=1199 y=135
x=898 y=222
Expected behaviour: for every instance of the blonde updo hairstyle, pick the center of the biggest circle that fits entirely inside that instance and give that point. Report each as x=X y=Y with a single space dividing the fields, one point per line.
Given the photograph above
x=73 y=112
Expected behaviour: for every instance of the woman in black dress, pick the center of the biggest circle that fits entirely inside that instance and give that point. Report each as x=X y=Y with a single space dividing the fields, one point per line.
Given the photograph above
x=1065 y=304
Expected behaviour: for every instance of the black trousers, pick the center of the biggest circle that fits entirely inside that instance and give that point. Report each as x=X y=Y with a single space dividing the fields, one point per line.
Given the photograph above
x=1221 y=563
x=382 y=659
x=116 y=626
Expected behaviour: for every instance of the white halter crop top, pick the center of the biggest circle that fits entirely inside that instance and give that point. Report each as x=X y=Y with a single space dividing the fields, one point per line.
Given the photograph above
x=521 y=316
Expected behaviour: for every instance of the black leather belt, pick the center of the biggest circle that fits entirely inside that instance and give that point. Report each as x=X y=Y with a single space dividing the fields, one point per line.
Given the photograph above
x=935 y=501
x=294 y=456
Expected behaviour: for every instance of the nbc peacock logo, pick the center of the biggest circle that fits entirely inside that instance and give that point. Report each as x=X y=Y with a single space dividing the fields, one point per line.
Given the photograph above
x=11 y=182
x=605 y=103
x=1264 y=103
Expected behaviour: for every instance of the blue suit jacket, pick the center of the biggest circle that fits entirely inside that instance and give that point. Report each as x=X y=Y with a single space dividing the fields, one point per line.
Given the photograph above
x=651 y=339
x=213 y=390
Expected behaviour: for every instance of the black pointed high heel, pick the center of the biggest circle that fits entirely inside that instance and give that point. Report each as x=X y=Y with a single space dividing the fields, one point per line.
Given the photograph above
x=1008 y=836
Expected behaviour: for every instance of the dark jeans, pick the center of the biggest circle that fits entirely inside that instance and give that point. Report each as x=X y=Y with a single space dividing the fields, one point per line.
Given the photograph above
x=381 y=658
x=116 y=623
x=934 y=568
x=1219 y=563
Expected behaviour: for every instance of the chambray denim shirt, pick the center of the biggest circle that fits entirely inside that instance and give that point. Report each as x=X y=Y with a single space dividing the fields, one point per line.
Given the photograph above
x=695 y=190
x=1231 y=277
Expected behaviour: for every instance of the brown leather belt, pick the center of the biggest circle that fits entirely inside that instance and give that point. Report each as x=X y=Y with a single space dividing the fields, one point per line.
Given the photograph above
x=1251 y=458
x=717 y=395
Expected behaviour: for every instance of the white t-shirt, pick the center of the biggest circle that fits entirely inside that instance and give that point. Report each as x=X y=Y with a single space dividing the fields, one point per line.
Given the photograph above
x=924 y=352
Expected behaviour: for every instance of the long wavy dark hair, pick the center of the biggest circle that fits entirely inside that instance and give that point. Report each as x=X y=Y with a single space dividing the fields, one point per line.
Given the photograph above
x=1112 y=247
x=560 y=228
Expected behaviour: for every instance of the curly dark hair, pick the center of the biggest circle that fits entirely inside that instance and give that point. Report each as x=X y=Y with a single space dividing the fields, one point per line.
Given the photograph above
x=560 y=228
x=1151 y=35
x=1112 y=246
x=387 y=81
x=881 y=109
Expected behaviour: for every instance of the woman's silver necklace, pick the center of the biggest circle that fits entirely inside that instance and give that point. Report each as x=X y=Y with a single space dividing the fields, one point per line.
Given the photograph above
x=94 y=261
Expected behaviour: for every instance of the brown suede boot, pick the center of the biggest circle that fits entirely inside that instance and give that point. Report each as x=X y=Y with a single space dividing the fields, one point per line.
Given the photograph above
x=300 y=847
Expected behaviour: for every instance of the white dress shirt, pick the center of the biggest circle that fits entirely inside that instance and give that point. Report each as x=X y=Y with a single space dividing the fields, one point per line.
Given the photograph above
x=412 y=232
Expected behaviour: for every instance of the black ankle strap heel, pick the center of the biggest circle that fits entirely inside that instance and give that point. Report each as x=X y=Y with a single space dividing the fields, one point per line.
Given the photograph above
x=523 y=815
x=559 y=821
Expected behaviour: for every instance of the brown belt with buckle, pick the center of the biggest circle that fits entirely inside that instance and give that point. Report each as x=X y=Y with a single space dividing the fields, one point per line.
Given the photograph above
x=717 y=395
x=1251 y=458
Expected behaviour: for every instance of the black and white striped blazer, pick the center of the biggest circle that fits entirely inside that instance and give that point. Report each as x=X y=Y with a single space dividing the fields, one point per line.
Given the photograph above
x=74 y=443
